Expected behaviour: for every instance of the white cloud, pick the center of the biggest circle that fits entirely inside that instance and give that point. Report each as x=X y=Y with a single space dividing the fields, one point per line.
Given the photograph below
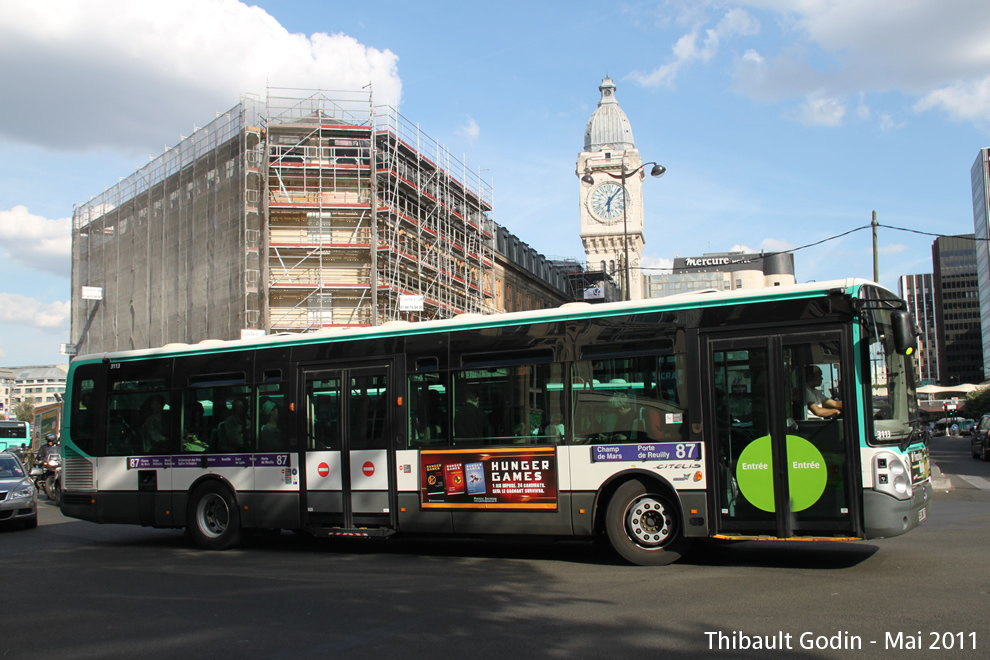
x=818 y=110
x=469 y=130
x=766 y=245
x=736 y=22
x=21 y=310
x=776 y=245
x=653 y=265
x=35 y=242
x=863 y=110
x=968 y=101
x=926 y=49
x=887 y=123
x=896 y=248
x=132 y=75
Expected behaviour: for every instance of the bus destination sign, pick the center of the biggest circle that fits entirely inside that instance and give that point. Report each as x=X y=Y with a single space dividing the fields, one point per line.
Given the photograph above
x=663 y=451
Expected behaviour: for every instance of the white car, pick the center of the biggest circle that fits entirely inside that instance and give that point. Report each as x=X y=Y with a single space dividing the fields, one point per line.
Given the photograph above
x=18 y=499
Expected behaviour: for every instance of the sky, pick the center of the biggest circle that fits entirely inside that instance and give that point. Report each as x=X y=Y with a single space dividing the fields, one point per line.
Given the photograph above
x=782 y=123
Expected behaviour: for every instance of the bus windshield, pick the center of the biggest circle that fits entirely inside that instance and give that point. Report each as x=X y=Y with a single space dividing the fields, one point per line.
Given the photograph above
x=892 y=394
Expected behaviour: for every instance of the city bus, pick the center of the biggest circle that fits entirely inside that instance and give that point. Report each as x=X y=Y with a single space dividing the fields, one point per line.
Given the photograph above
x=14 y=433
x=650 y=424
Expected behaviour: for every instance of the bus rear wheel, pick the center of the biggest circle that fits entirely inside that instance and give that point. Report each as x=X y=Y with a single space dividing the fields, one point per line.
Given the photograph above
x=214 y=522
x=644 y=526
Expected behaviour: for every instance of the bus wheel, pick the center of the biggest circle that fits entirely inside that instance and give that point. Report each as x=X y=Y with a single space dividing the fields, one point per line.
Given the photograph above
x=213 y=519
x=644 y=527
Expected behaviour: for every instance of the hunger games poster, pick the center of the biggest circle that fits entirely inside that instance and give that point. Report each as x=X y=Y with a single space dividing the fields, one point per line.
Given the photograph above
x=524 y=478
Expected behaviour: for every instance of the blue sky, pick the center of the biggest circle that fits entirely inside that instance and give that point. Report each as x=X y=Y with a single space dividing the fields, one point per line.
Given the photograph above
x=780 y=122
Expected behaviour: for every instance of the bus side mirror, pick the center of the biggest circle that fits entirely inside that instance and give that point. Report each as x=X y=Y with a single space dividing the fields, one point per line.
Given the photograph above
x=905 y=337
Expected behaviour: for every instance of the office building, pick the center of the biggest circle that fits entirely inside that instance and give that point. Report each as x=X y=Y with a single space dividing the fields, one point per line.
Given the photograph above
x=980 y=182
x=723 y=271
x=957 y=307
x=919 y=292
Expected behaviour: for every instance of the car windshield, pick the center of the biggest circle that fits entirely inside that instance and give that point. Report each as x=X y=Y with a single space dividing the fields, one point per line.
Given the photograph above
x=9 y=467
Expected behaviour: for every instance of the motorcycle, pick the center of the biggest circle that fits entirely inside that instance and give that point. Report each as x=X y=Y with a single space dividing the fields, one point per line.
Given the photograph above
x=46 y=476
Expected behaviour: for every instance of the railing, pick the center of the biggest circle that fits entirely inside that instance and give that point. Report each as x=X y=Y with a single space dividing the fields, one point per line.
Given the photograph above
x=289 y=276
x=314 y=236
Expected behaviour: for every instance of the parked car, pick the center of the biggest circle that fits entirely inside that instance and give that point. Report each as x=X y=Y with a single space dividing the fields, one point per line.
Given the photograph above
x=18 y=499
x=980 y=439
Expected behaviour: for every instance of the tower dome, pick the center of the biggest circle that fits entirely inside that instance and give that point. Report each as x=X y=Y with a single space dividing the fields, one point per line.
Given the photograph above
x=608 y=127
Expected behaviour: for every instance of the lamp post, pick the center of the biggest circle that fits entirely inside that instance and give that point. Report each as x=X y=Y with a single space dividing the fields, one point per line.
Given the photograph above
x=657 y=171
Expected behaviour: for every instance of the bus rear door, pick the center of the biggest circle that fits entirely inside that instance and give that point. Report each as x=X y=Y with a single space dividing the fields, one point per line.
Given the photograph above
x=349 y=483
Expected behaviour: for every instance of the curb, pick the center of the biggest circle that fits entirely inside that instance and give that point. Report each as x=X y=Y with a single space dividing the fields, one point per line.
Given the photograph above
x=939 y=481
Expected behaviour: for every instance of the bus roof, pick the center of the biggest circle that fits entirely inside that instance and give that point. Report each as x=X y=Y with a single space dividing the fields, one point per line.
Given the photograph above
x=694 y=299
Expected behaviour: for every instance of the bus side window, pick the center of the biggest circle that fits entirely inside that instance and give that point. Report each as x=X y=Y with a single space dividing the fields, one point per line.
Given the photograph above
x=428 y=411
x=83 y=413
x=323 y=397
x=271 y=418
x=234 y=432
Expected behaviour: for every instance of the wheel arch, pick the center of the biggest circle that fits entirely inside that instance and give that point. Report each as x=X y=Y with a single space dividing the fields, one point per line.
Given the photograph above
x=183 y=508
x=607 y=490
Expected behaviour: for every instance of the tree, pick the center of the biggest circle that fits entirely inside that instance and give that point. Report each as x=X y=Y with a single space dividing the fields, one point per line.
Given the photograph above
x=24 y=410
x=978 y=403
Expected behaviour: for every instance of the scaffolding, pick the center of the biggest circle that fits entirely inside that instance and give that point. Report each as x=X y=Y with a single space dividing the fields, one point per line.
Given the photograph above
x=364 y=208
x=303 y=211
x=170 y=246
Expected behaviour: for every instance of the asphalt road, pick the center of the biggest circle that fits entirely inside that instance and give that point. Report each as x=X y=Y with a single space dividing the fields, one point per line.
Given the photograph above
x=79 y=590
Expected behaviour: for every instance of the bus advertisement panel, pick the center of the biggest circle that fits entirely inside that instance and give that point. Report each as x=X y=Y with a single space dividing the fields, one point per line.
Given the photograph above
x=489 y=479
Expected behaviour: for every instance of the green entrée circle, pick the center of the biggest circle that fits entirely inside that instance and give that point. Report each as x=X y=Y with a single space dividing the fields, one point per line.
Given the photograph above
x=806 y=473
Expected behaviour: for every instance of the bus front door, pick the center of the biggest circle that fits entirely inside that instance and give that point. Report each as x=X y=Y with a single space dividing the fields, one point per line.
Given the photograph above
x=349 y=484
x=781 y=470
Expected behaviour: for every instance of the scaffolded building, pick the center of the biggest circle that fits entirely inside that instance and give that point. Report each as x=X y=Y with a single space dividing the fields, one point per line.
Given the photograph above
x=289 y=214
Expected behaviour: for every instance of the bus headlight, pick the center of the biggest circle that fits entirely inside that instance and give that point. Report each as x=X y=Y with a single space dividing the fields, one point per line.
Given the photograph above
x=891 y=476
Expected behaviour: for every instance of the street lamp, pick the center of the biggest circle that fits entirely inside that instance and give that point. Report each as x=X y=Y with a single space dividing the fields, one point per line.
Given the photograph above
x=657 y=171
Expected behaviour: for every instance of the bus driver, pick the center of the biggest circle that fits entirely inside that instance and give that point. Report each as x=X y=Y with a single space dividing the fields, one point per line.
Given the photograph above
x=818 y=404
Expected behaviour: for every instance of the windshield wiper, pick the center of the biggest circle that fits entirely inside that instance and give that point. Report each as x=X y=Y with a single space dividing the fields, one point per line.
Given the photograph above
x=909 y=440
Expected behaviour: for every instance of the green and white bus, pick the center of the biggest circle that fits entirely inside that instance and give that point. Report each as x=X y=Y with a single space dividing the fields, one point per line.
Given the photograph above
x=14 y=433
x=650 y=423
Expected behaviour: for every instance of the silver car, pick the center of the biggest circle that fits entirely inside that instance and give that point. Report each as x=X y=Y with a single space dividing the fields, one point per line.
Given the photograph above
x=18 y=499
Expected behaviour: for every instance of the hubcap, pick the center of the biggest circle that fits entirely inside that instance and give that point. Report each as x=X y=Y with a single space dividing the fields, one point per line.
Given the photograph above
x=648 y=523
x=213 y=515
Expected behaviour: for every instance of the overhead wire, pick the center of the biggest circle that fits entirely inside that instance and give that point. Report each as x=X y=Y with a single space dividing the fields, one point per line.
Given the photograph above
x=846 y=233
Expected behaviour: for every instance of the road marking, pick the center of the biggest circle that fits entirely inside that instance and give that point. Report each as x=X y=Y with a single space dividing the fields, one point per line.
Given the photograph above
x=976 y=482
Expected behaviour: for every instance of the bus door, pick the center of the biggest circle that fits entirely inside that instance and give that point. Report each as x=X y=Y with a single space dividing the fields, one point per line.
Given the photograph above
x=349 y=482
x=782 y=470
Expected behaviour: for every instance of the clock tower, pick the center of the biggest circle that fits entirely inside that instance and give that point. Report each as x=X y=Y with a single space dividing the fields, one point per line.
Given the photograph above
x=612 y=222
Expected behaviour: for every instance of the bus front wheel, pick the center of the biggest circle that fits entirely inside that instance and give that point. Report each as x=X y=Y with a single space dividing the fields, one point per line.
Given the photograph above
x=214 y=522
x=644 y=526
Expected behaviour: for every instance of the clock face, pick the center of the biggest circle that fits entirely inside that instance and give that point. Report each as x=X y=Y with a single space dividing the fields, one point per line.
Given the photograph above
x=607 y=201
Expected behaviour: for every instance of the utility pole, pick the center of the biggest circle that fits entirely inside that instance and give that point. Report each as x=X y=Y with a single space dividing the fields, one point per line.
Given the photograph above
x=876 y=259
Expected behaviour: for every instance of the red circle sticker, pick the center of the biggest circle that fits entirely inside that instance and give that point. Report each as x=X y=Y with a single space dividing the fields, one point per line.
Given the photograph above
x=368 y=468
x=323 y=469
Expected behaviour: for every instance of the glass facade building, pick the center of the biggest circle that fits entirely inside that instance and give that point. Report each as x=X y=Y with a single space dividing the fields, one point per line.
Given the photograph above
x=957 y=304
x=980 y=176
x=919 y=292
